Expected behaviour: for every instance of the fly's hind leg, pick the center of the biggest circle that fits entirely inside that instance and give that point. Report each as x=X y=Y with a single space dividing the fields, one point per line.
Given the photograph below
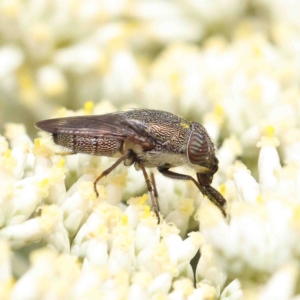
x=65 y=153
x=112 y=167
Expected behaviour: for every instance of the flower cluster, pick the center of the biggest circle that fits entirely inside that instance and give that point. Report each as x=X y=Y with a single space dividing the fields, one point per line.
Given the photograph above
x=91 y=247
x=109 y=249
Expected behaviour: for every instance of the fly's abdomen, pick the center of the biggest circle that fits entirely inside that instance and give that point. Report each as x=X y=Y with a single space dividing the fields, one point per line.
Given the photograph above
x=88 y=144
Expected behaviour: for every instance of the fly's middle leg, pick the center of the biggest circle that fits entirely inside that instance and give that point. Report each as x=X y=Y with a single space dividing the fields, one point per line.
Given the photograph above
x=112 y=167
x=152 y=191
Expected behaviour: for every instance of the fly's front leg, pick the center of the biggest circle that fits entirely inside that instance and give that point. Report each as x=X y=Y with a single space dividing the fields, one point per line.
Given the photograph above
x=151 y=192
x=216 y=198
x=213 y=195
x=112 y=167
x=166 y=172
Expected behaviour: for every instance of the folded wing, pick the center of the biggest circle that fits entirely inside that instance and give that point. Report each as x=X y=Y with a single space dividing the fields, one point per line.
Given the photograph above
x=113 y=125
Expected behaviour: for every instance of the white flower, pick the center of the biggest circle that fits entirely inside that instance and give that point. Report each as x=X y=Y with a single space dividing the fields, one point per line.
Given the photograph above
x=147 y=235
x=181 y=215
x=214 y=12
x=165 y=21
x=160 y=284
x=51 y=81
x=230 y=149
x=208 y=271
x=182 y=289
x=289 y=17
x=123 y=76
x=11 y=59
x=176 y=73
x=264 y=230
x=93 y=229
x=76 y=206
x=39 y=38
x=245 y=192
x=232 y=291
x=281 y=285
x=121 y=254
x=6 y=277
x=47 y=276
x=80 y=59
x=268 y=164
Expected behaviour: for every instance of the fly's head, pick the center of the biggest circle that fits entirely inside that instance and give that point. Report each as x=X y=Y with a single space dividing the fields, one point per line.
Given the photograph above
x=201 y=154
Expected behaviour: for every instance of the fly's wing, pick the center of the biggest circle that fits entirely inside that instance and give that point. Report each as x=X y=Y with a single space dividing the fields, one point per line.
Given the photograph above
x=113 y=125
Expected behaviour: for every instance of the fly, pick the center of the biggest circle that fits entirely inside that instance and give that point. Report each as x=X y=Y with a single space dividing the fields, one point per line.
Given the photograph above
x=147 y=139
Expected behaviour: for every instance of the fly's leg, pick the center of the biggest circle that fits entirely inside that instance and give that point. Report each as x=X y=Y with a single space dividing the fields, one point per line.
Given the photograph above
x=216 y=198
x=65 y=153
x=112 y=167
x=151 y=191
x=166 y=172
x=213 y=195
x=154 y=189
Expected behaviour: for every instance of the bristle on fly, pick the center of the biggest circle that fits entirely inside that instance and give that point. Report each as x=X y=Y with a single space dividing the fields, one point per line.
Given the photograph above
x=49 y=140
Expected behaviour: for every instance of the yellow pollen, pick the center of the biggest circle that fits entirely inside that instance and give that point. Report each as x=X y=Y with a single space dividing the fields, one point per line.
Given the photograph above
x=223 y=189
x=257 y=50
x=175 y=83
x=296 y=214
x=88 y=107
x=44 y=182
x=270 y=131
x=28 y=92
x=8 y=153
x=124 y=220
x=120 y=179
x=143 y=199
x=219 y=110
x=101 y=231
x=41 y=148
x=147 y=212
x=61 y=163
x=259 y=199
x=269 y=138
x=37 y=142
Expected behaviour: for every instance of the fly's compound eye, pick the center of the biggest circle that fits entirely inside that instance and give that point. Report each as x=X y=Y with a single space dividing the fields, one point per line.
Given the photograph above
x=198 y=149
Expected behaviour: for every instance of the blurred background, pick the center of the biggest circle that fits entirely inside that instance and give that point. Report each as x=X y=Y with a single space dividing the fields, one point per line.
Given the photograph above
x=232 y=65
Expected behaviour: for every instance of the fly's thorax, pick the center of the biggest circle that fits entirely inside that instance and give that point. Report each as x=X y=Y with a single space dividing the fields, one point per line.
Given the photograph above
x=163 y=128
x=201 y=150
x=154 y=159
